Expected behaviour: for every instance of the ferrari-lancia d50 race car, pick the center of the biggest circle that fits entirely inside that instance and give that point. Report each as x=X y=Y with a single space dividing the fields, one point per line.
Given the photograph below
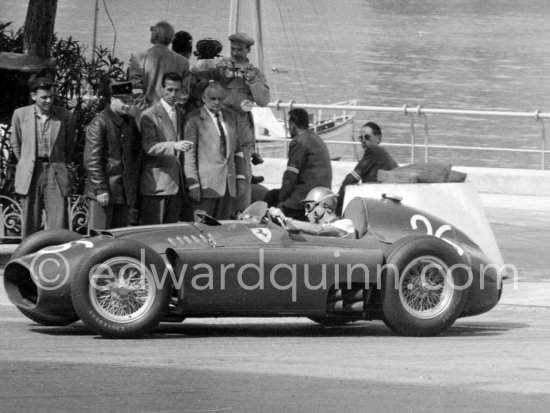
x=121 y=283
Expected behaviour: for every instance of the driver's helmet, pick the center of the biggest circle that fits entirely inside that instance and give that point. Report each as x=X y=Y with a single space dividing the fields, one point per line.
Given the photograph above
x=322 y=195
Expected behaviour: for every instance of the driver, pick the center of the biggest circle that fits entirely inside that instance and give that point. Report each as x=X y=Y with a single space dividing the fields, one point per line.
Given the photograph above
x=320 y=206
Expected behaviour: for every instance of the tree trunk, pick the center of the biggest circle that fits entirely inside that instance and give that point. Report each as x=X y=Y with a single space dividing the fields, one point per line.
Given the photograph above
x=39 y=27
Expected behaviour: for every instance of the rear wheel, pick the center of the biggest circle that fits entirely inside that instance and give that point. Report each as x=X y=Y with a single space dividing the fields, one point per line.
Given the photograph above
x=30 y=245
x=424 y=283
x=119 y=291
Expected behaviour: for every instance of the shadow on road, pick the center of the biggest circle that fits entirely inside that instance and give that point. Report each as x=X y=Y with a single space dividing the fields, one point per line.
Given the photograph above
x=368 y=329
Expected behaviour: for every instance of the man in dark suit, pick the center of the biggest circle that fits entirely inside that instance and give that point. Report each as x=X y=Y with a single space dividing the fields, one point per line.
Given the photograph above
x=162 y=142
x=215 y=170
x=43 y=140
x=112 y=157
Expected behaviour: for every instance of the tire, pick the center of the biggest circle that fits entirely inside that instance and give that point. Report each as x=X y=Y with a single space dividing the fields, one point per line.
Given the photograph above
x=30 y=245
x=418 y=303
x=116 y=291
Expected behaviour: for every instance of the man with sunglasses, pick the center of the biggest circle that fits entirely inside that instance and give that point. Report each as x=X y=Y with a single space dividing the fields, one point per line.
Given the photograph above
x=320 y=206
x=112 y=157
x=375 y=157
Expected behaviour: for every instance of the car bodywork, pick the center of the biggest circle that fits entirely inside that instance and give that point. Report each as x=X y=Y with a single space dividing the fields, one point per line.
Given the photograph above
x=406 y=267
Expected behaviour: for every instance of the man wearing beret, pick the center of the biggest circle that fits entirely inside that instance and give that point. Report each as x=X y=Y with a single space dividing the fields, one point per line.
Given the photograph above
x=42 y=139
x=112 y=157
x=245 y=85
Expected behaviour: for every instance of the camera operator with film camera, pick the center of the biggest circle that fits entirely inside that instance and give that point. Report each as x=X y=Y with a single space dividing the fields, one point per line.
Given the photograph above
x=245 y=85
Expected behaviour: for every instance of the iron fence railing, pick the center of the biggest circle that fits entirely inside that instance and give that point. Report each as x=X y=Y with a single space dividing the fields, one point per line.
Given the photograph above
x=418 y=113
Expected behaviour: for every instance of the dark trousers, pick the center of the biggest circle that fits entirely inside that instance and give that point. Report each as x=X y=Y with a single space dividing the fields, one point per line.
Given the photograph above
x=44 y=194
x=160 y=209
x=218 y=208
x=109 y=216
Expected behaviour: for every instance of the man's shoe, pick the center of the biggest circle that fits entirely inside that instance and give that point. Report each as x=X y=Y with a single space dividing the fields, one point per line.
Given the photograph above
x=257 y=179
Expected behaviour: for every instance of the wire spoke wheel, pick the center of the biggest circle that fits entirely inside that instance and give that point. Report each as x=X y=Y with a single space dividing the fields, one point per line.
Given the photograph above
x=425 y=288
x=123 y=289
x=424 y=283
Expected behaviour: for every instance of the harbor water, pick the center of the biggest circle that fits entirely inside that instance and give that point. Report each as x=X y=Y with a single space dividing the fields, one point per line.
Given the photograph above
x=461 y=54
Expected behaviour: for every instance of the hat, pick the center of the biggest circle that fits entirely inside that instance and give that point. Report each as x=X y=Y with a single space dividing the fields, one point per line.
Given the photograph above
x=182 y=42
x=40 y=83
x=242 y=38
x=121 y=88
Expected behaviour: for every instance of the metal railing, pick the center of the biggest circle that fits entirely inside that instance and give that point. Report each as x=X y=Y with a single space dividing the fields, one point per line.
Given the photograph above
x=419 y=113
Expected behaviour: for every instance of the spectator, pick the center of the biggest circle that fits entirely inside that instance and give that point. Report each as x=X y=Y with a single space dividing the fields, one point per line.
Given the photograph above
x=374 y=158
x=308 y=166
x=245 y=85
x=203 y=71
x=112 y=156
x=320 y=206
x=147 y=68
x=183 y=44
x=215 y=170
x=43 y=140
x=162 y=142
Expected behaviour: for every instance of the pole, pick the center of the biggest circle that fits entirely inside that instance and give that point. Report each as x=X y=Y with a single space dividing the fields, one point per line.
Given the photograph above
x=257 y=24
x=233 y=17
x=94 y=39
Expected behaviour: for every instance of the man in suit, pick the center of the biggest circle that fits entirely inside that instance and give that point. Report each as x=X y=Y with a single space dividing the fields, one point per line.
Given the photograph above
x=43 y=140
x=162 y=143
x=146 y=68
x=215 y=170
x=112 y=157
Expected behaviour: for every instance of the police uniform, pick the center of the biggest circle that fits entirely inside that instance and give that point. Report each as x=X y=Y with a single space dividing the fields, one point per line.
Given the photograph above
x=308 y=167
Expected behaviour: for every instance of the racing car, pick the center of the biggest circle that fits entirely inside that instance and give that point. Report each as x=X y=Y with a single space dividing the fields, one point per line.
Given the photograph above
x=406 y=267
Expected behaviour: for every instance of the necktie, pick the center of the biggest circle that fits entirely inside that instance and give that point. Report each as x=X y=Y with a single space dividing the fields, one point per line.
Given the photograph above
x=222 y=135
x=174 y=119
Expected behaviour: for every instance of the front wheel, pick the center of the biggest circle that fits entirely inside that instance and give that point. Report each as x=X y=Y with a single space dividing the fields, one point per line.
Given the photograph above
x=424 y=286
x=122 y=289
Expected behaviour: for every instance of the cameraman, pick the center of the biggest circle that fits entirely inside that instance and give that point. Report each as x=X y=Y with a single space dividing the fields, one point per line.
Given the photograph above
x=245 y=85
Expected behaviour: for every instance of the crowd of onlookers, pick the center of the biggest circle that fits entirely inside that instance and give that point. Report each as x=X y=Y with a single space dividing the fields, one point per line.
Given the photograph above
x=174 y=139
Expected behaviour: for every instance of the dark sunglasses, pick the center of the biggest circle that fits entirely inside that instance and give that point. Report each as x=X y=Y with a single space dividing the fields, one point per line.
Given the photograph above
x=366 y=136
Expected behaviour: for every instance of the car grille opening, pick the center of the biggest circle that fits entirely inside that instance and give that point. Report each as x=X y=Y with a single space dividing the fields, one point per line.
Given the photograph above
x=19 y=284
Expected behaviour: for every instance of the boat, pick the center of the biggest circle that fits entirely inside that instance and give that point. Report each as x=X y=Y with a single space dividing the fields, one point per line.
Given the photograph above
x=272 y=134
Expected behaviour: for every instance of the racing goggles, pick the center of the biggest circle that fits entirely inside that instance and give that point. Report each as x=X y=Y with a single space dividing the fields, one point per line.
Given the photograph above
x=310 y=206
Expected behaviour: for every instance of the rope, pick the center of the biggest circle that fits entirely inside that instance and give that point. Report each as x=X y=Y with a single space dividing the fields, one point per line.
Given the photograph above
x=301 y=65
x=112 y=24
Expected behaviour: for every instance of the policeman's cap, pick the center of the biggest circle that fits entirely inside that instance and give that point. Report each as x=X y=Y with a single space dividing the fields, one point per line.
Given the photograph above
x=121 y=89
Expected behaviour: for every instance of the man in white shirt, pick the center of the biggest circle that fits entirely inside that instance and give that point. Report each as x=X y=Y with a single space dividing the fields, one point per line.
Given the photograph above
x=162 y=141
x=320 y=206
x=215 y=170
